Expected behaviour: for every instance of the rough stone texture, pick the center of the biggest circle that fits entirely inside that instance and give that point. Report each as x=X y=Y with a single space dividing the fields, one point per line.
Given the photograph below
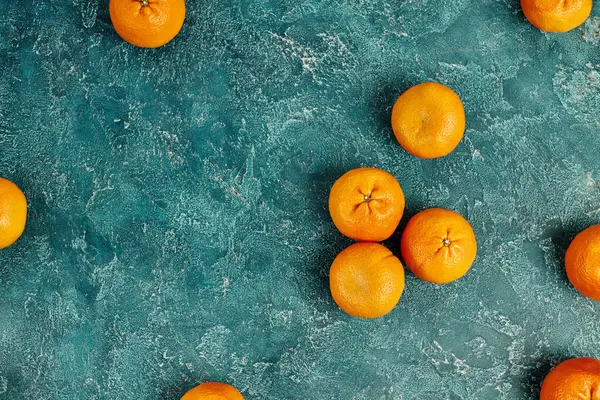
x=178 y=228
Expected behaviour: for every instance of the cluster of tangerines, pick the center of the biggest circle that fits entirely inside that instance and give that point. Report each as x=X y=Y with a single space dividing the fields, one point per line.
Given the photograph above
x=367 y=204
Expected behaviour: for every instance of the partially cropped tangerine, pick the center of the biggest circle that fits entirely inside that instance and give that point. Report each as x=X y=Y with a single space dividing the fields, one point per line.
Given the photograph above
x=429 y=120
x=366 y=280
x=556 y=15
x=147 y=23
x=574 y=379
x=13 y=213
x=583 y=262
x=366 y=204
x=438 y=245
x=213 y=391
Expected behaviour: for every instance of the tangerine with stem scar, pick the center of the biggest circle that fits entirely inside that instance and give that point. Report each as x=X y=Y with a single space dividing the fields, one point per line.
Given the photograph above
x=438 y=245
x=147 y=23
x=366 y=204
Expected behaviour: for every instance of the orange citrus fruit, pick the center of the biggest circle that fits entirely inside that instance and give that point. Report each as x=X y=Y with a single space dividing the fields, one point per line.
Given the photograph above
x=438 y=245
x=556 y=15
x=366 y=204
x=366 y=280
x=213 y=391
x=429 y=120
x=583 y=262
x=13 y=213
x=574 y=379
x=147 y=23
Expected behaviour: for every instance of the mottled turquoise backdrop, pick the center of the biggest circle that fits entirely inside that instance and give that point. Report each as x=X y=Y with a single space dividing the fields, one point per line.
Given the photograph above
x=178 y=228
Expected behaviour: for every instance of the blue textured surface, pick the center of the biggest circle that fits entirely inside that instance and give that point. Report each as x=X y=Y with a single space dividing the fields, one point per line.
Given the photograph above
x=178 y=228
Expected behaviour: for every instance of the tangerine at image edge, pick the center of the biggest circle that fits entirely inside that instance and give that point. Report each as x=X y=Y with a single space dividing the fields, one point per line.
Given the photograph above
x=147 y=23
x=582 y=262
x=574 y=379
x=13 y=213
x=213 y=391
x=556 y=15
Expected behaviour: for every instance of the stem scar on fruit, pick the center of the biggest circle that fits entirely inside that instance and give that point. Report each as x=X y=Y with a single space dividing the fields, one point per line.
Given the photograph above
x=144 y=3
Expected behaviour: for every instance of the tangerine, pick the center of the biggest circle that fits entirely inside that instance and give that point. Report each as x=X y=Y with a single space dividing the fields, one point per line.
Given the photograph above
x=574 y=379
x=366 y=280
x=429 y=120
x=213 y=391
x=147 y=23
x=583 y=262
x=438 y=245
x=556 y=15
x=13 y=213
x=366 y=204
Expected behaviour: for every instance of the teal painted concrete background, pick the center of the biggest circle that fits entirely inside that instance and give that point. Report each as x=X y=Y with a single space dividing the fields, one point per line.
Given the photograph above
x=178 y=228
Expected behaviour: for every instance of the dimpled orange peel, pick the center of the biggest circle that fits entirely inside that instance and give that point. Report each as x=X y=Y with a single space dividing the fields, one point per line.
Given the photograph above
x=366 y=204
